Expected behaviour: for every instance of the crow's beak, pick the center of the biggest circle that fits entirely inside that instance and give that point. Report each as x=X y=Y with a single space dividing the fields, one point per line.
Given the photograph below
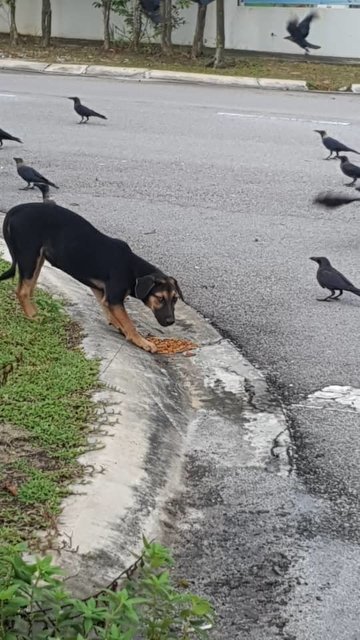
x=314 y=259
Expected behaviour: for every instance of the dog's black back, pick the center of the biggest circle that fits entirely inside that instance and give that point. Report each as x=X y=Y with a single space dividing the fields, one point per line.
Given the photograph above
x=46 y=231
x=72 y=244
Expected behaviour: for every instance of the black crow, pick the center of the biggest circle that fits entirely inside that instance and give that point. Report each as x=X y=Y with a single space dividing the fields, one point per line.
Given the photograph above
x=299 y=31
x=350 y=170
x=333 y=145
x=7 y=136
x=85 y=112
x=30 y=175
x=330 y=278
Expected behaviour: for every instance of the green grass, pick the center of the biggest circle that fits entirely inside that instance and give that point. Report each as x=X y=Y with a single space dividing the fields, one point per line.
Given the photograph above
x=319 y=75
x=45 y=405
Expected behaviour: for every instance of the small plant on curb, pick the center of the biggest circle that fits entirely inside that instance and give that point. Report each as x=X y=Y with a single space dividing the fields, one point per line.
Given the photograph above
x=147 y=606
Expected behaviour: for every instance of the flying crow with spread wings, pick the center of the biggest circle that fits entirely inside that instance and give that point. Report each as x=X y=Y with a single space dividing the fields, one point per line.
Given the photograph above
x=299 y=31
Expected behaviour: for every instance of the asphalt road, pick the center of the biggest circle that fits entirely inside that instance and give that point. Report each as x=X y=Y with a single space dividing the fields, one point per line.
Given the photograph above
x=216 y=185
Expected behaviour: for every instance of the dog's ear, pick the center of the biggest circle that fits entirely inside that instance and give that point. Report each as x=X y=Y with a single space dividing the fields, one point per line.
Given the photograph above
x=176 y=285
x=143 y=286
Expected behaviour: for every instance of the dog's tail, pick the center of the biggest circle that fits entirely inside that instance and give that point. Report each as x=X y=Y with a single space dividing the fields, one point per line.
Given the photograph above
x=10 y=273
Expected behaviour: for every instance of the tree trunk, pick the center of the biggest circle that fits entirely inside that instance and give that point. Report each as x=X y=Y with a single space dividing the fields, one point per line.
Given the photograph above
x=198 y=43
x=46 y=22
x=165 y=9
x=106 y=7
x=220 y=35
x=136 y=15
x=13 y=28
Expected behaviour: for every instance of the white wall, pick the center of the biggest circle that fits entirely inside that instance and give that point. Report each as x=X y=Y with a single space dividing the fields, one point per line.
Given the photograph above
x=247 y=28
x=70 y=19
x=337 y=30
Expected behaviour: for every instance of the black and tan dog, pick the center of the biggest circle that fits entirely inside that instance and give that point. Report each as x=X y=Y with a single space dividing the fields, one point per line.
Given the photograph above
x=37 y=232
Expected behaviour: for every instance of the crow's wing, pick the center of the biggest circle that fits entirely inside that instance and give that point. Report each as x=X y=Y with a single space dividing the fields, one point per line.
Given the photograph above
x=30 y=174
x=332 y=279
x=332 y=143
x=292 y=27
x=304 y=25
x=85 y=111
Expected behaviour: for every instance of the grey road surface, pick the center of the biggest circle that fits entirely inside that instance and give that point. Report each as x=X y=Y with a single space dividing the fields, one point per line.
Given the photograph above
x=215 y=185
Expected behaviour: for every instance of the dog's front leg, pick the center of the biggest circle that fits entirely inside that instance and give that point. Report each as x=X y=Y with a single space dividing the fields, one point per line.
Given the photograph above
x=126 y=325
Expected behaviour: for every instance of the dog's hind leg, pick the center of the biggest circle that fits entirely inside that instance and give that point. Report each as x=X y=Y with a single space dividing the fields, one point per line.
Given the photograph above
x=29 y=273
x=23 y=293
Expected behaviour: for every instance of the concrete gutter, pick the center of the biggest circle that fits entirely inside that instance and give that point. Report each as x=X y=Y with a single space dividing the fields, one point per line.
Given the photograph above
x=148 y=75
x=147 y=411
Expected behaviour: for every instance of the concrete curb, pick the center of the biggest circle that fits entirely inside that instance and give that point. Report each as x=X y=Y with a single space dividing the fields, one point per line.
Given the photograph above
x=149 y=408
x=146 y=75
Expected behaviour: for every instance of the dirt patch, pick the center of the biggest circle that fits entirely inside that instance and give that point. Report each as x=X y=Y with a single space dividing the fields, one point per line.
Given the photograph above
x=319 y=75
x=27 y=477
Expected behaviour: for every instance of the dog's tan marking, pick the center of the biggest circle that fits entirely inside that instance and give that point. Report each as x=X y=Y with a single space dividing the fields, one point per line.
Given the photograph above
x=23 y=293
x=156 y=300
x=126 y=325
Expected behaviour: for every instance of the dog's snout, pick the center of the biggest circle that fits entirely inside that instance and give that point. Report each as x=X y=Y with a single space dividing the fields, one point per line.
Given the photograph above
x=169 y=321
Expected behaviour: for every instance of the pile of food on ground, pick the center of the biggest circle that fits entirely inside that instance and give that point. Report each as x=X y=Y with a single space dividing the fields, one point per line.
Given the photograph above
x=170 y=346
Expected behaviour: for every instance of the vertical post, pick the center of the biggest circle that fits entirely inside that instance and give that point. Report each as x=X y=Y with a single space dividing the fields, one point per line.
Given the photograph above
x=220 y=34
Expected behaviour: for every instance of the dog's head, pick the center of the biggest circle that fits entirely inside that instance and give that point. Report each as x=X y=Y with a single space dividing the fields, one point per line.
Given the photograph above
x=160 y=293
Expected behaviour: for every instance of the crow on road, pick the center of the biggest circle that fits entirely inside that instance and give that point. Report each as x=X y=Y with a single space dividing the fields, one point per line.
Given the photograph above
x=350 y=170
x=330 y=278
x=333 y=200
x=299 y=31
x=30 y=175
x=7 y=136
x=44 y=188
x=333 y=145
x=85 y=112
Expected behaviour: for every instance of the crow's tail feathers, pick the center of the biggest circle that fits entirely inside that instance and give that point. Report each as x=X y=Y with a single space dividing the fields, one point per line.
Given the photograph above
x=98 y=115
x=333 y=200
x=313 y=46
x=355 y=290
x=16 y=139
x=51 y=184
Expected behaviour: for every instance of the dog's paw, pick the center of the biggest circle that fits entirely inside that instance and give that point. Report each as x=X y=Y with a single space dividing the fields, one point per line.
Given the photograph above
x=148 y=346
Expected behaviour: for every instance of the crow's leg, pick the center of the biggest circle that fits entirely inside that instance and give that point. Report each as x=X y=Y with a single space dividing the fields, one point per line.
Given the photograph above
x=350 y=184
x=338 y=295
x=331 y=297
